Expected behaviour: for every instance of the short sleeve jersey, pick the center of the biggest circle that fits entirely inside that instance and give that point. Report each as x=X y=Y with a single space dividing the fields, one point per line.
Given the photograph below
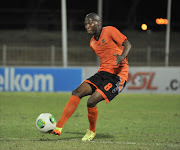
x=109 y=43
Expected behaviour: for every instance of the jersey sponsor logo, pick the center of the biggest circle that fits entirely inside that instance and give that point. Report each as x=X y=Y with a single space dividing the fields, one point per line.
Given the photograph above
x=104 y=42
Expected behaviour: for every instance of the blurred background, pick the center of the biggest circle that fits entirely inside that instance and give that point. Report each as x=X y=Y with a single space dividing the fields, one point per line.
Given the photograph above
x=31 y=31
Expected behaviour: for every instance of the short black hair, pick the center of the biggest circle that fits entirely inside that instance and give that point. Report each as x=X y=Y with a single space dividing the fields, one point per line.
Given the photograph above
x=94 y=16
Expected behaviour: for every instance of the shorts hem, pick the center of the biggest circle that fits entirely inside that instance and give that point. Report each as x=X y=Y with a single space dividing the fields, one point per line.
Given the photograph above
x=91 y=83
x=103 y=95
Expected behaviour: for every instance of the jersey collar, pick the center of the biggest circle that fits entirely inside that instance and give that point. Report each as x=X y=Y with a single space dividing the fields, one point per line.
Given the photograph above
x=99 y=35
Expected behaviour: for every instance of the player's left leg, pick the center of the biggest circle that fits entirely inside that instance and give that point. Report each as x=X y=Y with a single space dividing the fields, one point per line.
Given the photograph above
x=110 y=88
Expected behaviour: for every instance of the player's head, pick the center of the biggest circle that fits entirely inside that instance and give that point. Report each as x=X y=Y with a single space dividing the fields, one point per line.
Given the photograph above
x=92 y=23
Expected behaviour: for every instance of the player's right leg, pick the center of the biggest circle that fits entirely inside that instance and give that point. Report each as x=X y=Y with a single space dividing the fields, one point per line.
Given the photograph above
x=83 y=90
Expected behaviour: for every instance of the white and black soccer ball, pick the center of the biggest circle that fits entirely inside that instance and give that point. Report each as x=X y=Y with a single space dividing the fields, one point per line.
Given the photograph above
x=45 y=122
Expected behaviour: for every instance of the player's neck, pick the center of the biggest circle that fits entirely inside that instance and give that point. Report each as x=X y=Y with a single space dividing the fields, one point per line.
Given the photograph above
x=97 y=34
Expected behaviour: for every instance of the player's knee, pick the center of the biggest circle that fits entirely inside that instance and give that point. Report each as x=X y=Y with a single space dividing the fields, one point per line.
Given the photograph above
x=91 y=103
x=78 y=93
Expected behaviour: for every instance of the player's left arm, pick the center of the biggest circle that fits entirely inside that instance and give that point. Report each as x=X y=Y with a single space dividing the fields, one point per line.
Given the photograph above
x=121 y=41
x=127 y=47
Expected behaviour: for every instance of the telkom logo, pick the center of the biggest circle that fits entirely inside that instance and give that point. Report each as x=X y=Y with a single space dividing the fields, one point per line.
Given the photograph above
x=12 y=81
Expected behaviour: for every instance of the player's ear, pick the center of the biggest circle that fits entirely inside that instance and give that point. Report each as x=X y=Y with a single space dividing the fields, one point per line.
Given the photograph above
x=99 y=23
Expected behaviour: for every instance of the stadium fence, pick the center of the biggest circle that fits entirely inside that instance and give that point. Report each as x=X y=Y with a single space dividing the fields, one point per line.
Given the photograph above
x=79 y=56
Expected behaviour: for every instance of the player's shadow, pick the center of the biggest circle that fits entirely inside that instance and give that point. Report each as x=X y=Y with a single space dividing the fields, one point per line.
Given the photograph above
x=104 y=136
x=75 y=136
x=98 y=136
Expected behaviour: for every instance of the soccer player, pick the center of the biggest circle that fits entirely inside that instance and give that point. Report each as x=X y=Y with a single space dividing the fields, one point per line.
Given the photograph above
x=112 y=47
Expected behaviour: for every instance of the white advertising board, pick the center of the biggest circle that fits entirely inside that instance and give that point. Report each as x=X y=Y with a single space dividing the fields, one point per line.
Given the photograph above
x=148 y=79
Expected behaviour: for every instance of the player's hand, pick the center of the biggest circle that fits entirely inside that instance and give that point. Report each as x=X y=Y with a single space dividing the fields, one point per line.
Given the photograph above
x=119 y=58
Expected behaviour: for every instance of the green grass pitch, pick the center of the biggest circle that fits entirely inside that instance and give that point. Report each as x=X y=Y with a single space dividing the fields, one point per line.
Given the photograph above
x=130 y=121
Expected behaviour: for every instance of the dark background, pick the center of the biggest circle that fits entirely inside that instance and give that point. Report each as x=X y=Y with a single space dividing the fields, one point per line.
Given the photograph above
x=30 y=31
x=46 y=14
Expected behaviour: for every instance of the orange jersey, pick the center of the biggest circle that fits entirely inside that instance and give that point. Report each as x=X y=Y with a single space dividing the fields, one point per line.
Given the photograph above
x=109 y=43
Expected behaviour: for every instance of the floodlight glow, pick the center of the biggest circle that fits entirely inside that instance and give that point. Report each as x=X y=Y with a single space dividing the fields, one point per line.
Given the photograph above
x=144 y=27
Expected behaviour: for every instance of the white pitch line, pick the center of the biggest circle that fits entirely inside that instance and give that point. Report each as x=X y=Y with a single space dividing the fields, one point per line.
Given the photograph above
x=104 y=142
x=134 y=143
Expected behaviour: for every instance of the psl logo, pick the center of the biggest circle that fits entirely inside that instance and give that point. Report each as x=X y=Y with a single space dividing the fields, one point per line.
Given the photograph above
x=142 y=80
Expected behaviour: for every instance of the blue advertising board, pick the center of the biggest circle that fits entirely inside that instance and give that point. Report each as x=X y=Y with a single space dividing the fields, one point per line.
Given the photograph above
x=39 y=79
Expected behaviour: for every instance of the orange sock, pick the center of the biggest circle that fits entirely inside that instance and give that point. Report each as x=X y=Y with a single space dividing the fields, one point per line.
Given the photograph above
x=92 y=116
x=68 y=110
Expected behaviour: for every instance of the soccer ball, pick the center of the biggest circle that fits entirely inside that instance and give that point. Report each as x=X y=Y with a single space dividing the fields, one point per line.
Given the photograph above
x=45 y=122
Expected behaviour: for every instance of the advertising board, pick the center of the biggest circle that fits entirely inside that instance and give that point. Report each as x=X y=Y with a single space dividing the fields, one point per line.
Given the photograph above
x=39 y=79
x=148 y=79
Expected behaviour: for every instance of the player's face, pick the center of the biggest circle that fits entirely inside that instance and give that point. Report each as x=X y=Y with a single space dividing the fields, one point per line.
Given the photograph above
x=90 y=25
